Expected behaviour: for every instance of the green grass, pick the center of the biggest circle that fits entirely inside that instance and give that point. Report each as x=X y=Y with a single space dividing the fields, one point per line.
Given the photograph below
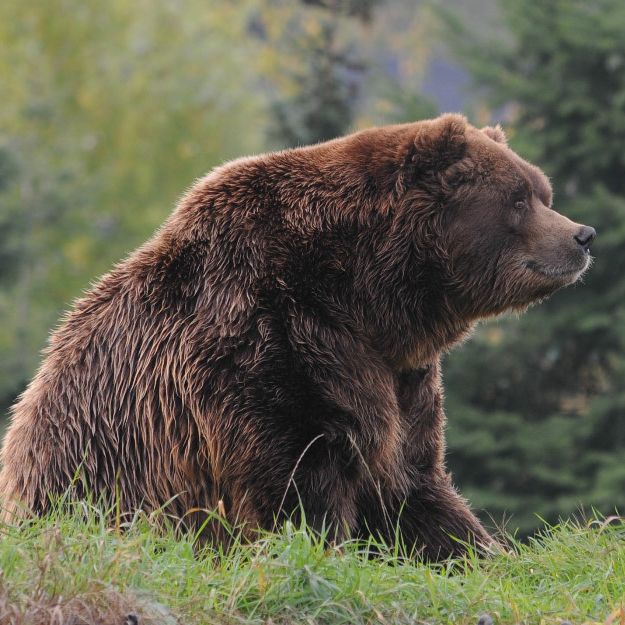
x=73 y=568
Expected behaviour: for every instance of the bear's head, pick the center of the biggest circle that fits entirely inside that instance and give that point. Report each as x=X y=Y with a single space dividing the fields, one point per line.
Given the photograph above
x=498 y=239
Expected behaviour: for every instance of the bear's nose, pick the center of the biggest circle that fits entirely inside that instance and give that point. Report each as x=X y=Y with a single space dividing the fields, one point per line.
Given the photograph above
x=585 y=236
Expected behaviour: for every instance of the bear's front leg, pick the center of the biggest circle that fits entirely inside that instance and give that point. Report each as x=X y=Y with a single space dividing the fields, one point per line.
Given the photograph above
x=356 y=385
x=427 y=514
x=309 y=481
x=432 y=522
x=436 y=522
x=315 y=413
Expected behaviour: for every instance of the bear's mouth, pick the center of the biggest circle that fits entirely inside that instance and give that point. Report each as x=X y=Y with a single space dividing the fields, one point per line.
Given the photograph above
x=561 y=272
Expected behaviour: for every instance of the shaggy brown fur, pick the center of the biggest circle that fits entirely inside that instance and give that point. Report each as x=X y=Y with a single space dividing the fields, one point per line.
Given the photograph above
x=277 y=342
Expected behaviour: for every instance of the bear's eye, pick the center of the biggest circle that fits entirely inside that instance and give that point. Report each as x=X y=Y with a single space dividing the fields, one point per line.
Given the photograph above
x=520 y=205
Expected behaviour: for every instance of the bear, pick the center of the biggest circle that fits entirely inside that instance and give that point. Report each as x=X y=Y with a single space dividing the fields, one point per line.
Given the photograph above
x=274 y=350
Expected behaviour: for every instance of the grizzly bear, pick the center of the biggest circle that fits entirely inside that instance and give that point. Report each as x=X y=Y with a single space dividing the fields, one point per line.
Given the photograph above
x=274 y=349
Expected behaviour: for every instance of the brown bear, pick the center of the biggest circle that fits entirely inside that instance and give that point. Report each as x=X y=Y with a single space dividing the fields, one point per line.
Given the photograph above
x=274 y=349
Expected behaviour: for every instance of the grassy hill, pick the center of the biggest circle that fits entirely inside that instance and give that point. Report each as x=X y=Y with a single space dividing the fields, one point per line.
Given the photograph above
x=75 y=569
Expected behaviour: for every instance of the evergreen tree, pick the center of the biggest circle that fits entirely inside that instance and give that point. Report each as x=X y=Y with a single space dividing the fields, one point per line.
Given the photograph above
x=321 y=106
x=537 y=405
x=325 y=84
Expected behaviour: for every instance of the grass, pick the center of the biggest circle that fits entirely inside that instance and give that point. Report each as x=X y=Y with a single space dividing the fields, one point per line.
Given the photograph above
x=73 y=568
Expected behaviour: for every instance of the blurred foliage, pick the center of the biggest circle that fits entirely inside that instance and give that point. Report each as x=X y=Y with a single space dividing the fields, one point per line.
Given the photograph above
x=322 y=105
x=109 y=113
x=537 y=404
x=107 y=116
x=342 y=65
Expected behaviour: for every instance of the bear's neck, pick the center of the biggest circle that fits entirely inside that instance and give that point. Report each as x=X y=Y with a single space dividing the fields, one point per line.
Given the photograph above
x=412 y=314
x=422 y=352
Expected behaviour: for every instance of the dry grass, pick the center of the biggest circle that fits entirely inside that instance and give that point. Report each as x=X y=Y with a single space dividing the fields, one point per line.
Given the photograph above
x=94 y=607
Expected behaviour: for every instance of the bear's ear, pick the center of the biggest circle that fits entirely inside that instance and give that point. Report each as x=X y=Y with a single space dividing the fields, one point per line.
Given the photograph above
x=438 y=143
x=496 y=133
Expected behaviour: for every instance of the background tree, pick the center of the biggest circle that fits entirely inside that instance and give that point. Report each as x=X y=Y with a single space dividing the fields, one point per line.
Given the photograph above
x=346 y=63
x=324 y=72
x=537 y=405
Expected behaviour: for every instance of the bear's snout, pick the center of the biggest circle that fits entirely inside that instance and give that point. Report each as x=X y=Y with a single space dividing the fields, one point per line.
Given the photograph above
x=559 y=248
